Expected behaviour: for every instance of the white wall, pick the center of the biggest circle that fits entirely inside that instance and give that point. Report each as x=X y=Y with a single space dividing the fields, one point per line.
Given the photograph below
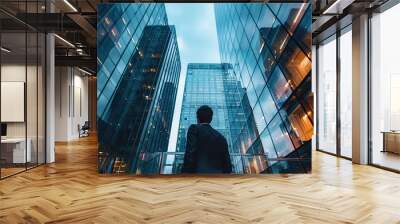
x=71 y=102
x=33 y=126
x=17 y=73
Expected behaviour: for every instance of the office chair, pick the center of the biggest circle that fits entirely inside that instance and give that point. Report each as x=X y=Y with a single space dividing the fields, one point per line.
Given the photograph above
x=84 y=130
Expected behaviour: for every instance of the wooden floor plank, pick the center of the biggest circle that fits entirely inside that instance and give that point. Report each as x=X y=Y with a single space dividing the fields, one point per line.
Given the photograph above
x=71 y=191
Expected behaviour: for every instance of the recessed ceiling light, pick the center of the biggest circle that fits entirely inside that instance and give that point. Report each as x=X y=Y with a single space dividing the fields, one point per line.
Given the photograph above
x=5 y=50
x=84 y=71
x=70 y=5
x=65 y=41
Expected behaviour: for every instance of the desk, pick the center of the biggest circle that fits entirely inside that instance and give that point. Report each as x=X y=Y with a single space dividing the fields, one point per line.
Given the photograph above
x=391 y=141
x=13 y=150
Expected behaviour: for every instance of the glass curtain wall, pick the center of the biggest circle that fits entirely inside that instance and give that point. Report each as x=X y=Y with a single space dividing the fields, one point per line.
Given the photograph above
x=345 y=92
x=334 y=105
x=22 y=87
x=269 y=47
x=385 y=89
x=326 y=93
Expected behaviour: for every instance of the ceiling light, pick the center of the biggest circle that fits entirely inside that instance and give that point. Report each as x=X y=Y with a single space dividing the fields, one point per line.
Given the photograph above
x=84 y=71
x=326 y=11
x=5 y=50
x=65 y=41
x=70 y=5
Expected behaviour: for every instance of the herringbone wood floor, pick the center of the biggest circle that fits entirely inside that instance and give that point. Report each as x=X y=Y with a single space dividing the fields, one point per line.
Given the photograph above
x=70 y=191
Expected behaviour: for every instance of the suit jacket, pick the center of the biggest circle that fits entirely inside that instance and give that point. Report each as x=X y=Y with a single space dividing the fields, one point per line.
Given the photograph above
x=206 y=151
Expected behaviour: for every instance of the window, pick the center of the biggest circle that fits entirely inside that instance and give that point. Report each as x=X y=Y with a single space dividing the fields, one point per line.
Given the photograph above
x=279 y=87
x=251 y=94
x=267 y=105
x=269 y=148
x=303 y=32
x=280 y=137
x=385 y=89
x=267 y=60
x=22 y=65
x=295 y=64
x=278 y=39
x=327 y=96
x=258 y=81
x=290 y=15
x=259 y=118
x=346 y=93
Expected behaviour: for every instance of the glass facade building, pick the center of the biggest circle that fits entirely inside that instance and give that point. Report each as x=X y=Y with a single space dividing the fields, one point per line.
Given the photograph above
x=269 y=48
x=119 y=29
x=137 y=121
x=214 y=85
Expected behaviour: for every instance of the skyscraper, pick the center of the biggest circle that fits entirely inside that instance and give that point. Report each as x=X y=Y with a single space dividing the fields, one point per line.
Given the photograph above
x=268 y=46
x=139 y=116
x=119 y=29
x=214 y=85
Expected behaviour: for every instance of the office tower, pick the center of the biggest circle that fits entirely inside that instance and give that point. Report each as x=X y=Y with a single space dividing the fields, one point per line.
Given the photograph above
x=269 y=46
x=118 y=31
x=139 y=117
x=214 y=85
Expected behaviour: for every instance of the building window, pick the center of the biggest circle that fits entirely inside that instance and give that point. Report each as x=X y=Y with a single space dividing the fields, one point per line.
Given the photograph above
x=327 y=95
x=385 y=89
x=346 y=93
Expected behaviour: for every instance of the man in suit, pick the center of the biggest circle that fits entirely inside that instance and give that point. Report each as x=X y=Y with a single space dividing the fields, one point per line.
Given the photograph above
x=206 y=148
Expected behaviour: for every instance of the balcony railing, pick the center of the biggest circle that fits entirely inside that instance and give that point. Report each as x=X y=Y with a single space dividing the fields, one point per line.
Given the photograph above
x=172 y=162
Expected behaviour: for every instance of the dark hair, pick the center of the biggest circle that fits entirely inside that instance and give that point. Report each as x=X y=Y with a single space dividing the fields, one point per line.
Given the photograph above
x=204 y=114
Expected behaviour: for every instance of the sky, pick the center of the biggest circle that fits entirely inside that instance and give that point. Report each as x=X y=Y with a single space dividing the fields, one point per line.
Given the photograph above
x=198 y=43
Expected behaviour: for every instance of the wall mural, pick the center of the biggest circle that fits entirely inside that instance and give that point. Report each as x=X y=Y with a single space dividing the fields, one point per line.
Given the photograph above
x=204 y=88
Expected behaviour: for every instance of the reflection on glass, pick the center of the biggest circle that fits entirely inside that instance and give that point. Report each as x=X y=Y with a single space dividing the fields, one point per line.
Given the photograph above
x=290 y=15
x=259 y=118
x=251 y=94
x=284 y=66
x=149 y=163
x=303 y=32
x=267 y=60
x=275 y=7
x=298 y=123
x=252 y=131
x=254 y=164
x=258 y=81
x=267 y=105
x=265 y=20
x=269 y=149
x=280 y=137
x=279 y=87
x=327 y=96
x=295 y=64
x=237 y=164
x=172 y=163
x=307 y=103
x=346 y=94
x=277 y=39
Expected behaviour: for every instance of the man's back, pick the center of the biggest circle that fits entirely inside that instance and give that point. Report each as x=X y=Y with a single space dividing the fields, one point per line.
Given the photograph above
x=206 y=151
